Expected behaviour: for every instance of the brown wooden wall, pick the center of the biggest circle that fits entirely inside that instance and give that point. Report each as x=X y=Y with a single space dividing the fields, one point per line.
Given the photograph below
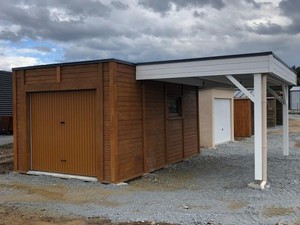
x=154 y=125
x=243 y=110
x=174 y=128
x=106 y=122
x=242 y=118
x=271 y=112
x=278 y=113
x=51 y=79
x=129 y=108
x=133 y=133
x=168 y=140
x=190 y=125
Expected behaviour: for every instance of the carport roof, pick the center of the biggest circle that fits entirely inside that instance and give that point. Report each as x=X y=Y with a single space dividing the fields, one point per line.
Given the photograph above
x=217 y=68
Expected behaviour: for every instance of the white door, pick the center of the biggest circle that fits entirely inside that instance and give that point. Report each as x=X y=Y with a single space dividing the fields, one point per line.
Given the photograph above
x=222 y=120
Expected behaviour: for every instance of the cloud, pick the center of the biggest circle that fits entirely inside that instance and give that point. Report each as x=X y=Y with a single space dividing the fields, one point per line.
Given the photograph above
x=256 y=5
x=43 y=49
x=55 y=20
x=142 y=30
x=156 y=5
x=269 y=29
x=119 y=5
x=8 y=62
x=9 y=35
x=25 y=53
x=198 y=14
x=290 y=8
x=166 y=5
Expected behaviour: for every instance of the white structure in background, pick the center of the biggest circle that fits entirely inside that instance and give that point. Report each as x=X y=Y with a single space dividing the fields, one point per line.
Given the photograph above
x=295 y=98
x=216 y=118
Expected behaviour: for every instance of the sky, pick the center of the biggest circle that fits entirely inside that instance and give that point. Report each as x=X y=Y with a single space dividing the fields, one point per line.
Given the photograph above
x=34 y=32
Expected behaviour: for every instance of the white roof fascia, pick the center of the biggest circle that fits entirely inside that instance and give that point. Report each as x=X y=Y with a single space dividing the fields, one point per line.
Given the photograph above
x=281 y=71
x=217 y=67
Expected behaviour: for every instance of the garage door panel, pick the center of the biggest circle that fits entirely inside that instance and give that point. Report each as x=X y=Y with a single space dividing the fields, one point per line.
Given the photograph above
x=43 y=133
x=222 y=120
x=63 y=132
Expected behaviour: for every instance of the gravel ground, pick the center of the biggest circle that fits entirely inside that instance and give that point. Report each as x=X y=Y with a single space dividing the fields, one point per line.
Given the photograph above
x=6 y=139
x=207 y=189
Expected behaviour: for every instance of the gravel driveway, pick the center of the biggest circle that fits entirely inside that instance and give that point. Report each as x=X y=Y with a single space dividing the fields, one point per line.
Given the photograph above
x=207 y=189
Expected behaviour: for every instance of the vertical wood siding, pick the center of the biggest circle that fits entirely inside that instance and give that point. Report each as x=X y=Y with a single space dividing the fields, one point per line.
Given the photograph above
x=190 y=114
x=174 y=128
x=278 y=113
x=20 y=121
x=60 y=79
x=174 y=141
x=271 y=112
x=131 y=132
x=63 y=132
x=154 y=116
x=167 y=139
x=106 y=97
x=130 y=123
x=242 y=118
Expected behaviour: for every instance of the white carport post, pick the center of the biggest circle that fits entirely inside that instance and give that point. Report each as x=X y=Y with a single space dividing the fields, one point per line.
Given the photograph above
x=285 y=120
x=260 y=125
x=260 y=128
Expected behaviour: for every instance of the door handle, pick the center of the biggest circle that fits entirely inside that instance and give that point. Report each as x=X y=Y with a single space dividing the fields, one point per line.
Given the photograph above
x=63 y=160
x=62 y=122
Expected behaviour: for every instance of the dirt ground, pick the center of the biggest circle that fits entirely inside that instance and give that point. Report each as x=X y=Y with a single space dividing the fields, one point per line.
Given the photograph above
x=14 y=215
x=294 y=124
x=17 y=216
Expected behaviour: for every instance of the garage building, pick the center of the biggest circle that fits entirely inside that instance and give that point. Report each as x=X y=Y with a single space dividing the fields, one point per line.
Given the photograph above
x=113 y=120
x=93 y=119
x=6 y=105
x=216 y=118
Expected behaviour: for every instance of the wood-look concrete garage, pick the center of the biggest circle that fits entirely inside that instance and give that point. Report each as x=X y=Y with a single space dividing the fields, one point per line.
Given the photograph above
x=135 y=118
x=93 y=120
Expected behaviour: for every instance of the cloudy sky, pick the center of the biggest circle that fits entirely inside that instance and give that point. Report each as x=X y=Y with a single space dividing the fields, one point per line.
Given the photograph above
x=49 y=31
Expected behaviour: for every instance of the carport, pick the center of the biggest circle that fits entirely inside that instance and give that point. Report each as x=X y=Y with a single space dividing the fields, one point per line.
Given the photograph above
x=261 y=71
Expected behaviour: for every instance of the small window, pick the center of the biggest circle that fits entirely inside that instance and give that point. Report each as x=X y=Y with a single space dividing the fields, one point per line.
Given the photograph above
x=174 y=106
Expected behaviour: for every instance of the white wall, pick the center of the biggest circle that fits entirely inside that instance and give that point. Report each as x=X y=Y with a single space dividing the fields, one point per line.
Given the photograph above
x=295 y=98
x=206 y=114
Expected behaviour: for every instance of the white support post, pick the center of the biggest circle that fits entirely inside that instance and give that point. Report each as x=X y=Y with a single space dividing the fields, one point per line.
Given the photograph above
x=285 y=120
x=258 y=126
x=264 y=131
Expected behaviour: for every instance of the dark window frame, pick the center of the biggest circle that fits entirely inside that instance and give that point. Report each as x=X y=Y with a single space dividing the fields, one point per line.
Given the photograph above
x=176 y=110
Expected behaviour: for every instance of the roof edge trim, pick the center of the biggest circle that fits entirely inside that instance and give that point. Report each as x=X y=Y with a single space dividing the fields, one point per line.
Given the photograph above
x=75 y=63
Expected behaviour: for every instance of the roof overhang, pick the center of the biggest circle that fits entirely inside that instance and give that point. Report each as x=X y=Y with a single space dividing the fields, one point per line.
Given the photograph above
x=215 y=69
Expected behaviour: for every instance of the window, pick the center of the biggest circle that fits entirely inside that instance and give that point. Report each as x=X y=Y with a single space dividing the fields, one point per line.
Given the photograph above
x=174 y=106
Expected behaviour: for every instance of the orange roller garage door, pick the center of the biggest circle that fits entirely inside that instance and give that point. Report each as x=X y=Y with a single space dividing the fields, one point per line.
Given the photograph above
x=63 y=132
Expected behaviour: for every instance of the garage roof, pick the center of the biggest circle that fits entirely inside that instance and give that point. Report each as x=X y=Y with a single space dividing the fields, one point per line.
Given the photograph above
x=216 y=68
